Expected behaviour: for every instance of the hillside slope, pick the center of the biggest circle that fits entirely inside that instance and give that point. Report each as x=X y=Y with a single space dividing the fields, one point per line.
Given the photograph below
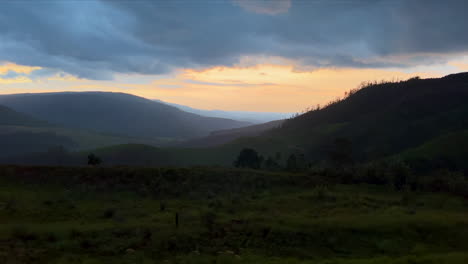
x=10 y=117
x=384 y=119
x=379 y=121
x=447 y=151
x=117 y=113
x=221 y=137
x=22 y=134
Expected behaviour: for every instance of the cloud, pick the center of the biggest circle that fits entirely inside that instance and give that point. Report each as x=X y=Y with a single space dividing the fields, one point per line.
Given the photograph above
x=282 y=89
x=61 y=76
x=13 y=80
x=8 y=67
x=270 y=7
x=11 y=73
x=98 y=39
x=264 y=87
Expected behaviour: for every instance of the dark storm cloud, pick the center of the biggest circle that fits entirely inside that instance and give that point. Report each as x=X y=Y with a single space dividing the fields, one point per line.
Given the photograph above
x=95 y=39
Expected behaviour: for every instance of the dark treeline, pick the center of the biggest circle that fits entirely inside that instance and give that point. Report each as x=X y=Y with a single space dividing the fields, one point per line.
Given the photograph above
x=412 y=174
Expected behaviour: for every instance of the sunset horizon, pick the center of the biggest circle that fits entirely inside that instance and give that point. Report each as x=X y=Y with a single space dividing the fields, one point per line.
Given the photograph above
x=233 y=131
x=266 y=61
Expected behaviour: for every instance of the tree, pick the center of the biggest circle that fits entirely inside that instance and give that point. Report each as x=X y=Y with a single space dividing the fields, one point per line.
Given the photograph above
x=342 y=152
x=301 y=162
x=93 y=160
x=278 y=156
x=271 y=164
x=291 y=163
x=248 y=158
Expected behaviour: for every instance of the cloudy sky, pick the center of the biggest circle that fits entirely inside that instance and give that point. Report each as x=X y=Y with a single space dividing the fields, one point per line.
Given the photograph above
x=278 y=55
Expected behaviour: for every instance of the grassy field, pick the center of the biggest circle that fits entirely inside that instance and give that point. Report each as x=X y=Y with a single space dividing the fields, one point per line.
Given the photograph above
x=214 y=215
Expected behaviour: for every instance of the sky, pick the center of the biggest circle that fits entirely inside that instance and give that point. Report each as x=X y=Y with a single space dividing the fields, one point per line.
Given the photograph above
x=250 y=55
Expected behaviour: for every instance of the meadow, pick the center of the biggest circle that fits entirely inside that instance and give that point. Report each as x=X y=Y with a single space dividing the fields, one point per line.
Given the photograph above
x=220 y=215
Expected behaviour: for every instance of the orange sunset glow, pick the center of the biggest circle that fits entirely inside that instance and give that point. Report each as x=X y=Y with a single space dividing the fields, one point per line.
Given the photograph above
x=233 y=131
x=263 y=87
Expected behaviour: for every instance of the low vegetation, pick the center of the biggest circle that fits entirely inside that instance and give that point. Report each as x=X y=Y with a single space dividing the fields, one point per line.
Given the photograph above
x=372 y=214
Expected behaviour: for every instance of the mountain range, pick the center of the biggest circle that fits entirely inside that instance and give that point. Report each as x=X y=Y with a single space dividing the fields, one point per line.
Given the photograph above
x=77 y=121
x=116 y=113
x=403 y=119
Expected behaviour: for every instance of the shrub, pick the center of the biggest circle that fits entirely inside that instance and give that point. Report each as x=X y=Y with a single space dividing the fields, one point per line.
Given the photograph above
x=109 y=213
x=373 y=173
x=51 y=237
x=23 y=234
x=75 y=234
x=446 y=181
x=457 y=183
x=93 y=160
x=320 y=193
x=208 y=219
x=248 y=158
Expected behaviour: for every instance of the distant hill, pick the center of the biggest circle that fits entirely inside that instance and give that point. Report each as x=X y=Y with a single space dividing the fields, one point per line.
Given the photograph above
x=417 y=119
x=246 y=116
x=221 y=137
x=14 y=141
x=116 y=113
x=380 y=120
x=20 y=134
x=13 y=118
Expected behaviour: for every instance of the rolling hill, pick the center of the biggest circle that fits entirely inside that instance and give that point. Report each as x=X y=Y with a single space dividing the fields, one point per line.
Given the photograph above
x=116 y=113
x=385 y=119
x=21 y=134
x=221 y=137
x=380 y=120
x=10 y=117
x=14 y=140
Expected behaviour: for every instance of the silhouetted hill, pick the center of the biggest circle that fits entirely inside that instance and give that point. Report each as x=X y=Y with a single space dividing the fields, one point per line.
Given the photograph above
x=413 y=119
x=384 y=119
x=10 y=117
x=380 y=120
x=33 y=138
x=221 y=137
x=20 y=143
x=117 y=113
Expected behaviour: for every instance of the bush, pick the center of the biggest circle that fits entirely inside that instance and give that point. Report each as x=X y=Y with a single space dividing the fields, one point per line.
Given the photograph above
x=457 y=183
x=373 y=174
x=320 y=193
x=248 y=158
x=208 y=219
x=23 y=234
x=400 y=175
x=109 y=213
x=51 y=237
x=446 y=181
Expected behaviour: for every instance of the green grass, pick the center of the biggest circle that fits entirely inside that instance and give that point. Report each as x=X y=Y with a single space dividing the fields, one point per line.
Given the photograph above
x=127 y=215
